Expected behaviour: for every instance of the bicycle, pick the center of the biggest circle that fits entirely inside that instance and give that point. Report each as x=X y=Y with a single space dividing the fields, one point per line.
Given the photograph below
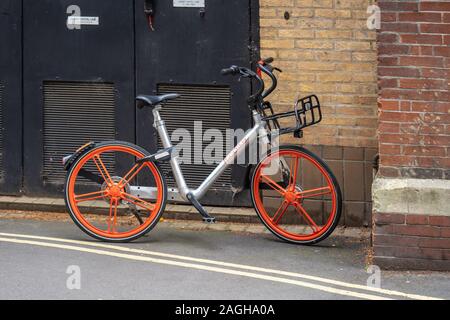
x=293 y=204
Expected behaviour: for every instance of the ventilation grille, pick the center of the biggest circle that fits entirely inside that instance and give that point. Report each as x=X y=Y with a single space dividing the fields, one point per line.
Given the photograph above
x=2 y=130
x=209 y=104
x=75 y=113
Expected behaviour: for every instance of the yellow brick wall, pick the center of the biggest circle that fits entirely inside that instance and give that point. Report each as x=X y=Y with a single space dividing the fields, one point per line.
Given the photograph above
x=325 y=48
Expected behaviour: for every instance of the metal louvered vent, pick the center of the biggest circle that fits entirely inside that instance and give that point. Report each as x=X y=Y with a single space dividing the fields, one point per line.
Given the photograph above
x=209 y=104
x=75 y=113
x=2 y=130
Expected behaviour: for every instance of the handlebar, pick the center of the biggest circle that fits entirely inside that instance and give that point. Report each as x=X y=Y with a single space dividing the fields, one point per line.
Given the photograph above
x=232 y=70
x=264 y=66
x=246 y=73
x=267 y=60
x=272 y=77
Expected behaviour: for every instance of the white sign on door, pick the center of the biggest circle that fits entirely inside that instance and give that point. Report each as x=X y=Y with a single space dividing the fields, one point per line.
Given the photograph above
x=88 y=21
x=189 y=3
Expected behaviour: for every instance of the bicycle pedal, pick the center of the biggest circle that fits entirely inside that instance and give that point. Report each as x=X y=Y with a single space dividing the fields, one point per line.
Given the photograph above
x=210 y=220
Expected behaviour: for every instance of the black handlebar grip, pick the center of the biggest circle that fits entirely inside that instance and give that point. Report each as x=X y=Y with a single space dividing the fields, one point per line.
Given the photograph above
x=231 y=70
x=226 y=71
x=268 y=60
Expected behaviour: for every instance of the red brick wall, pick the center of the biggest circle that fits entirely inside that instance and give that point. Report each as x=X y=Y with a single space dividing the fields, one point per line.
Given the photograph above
x=414 y=98
x=411 y=241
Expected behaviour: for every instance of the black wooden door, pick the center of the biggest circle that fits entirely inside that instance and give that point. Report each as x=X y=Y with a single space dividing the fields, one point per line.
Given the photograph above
x=10 y=97
x=78 y=82
x=184 y=54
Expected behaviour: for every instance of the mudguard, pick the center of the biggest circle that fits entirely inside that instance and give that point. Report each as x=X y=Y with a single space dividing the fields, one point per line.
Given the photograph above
x=70 y=159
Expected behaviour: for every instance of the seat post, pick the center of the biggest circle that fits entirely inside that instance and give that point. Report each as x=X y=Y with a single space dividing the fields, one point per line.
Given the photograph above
x=160 y=126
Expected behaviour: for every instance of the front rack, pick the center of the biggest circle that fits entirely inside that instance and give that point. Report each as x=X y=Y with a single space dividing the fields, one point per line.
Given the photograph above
x=306 y=113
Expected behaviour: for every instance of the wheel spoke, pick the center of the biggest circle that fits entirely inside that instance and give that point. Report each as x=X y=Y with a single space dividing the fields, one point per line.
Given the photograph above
x=280 y=212
x=314 y=192
x=112 y=215
x=95 y=177
x=102 y=169
x=116 y=202
x=273 y=184
x=90 y=196
x=285 y=185
x=131 y=174
x=307 y=217
x=138 y=202
x=293 y=172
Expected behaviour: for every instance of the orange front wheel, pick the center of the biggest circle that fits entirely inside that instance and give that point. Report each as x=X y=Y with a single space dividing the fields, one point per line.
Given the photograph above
x=113 y=198
x=296 y=195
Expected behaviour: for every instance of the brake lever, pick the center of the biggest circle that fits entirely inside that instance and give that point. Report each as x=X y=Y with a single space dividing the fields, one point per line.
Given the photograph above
x=243 y=75
x=246 y=73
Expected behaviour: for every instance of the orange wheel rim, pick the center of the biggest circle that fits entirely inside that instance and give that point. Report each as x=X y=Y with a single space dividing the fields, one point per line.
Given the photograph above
x=115 y=191
x=291 y=197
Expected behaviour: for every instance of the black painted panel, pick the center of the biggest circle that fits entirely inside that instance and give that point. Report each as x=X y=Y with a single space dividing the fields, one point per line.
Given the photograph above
x=102 y=53
x=11 y=96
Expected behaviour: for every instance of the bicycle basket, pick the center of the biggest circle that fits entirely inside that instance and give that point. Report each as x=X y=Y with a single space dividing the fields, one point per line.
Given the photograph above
x=306 y=113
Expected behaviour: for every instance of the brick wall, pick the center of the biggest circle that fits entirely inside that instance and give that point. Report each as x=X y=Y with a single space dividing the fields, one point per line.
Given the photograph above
x=325 y=48
x=414 y=76
x=408 y=241
x=412 y=230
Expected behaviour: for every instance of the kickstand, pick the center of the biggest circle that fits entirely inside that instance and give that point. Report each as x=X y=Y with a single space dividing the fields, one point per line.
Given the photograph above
x=135 y=212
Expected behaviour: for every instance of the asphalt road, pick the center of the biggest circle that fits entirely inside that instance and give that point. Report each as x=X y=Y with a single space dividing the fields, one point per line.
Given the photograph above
x=50 y=260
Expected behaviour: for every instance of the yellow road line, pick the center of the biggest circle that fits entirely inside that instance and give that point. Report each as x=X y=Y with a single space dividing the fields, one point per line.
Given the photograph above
x=198 y=267
x=231 y=265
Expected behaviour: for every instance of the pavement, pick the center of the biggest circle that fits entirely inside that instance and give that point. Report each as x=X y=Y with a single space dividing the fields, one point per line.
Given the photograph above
x=45 y=256
x=172 y=211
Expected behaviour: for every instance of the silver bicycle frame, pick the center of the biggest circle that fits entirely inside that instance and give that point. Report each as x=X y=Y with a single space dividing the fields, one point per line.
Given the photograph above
x=259 y=129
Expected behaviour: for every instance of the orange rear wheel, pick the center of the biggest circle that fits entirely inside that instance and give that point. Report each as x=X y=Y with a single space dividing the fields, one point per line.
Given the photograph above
x=296 y=195
x=111 y=197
